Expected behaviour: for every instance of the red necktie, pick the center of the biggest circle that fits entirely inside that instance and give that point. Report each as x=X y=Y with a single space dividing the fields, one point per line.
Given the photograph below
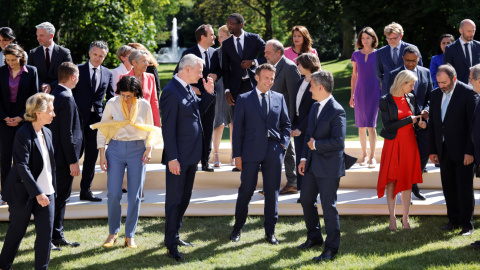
x=47 y=59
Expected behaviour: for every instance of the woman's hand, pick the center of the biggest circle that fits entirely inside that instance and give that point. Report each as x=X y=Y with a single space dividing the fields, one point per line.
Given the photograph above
x=415 y=118
x=147 y=155
x=43 y=200
x=103 y=160
x=422 y=124
x=352 y=103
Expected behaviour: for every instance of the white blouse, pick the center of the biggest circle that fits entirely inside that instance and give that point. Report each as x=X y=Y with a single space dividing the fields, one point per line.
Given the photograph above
x=113 y=111
x=44 y=180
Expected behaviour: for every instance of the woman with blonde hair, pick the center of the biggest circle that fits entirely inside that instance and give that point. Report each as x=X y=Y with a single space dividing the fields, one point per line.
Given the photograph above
x=400 y=164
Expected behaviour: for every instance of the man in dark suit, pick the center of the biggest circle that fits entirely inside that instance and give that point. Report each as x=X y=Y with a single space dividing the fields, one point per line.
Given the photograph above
x=184 y=142
x=322 y=165
x=388 y=57
x=464 y=52
x=422 y=90
x=206 y=38
x=94 y=83
x=261 y=134
x=286 y=79
x=67 y=136
x=47 y=57
x=240 y=53
x=449 y=137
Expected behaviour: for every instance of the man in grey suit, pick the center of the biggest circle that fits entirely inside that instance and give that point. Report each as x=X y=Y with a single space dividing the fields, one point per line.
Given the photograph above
x=286 y=78
x=48 y=57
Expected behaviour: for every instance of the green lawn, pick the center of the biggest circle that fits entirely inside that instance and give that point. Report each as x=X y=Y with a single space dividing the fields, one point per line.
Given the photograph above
x=342 y=71
x=366 y=243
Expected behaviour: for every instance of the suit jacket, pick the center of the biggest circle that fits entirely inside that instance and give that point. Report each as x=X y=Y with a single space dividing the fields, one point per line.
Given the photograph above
x=250 y=128
x=389 y=111
x=476 y=133
x=300 y=122
x=455 y=56
x=328 y=131
x=457 y=126
x=21 y=183
x=67 y=128
x=27 y=87
x=213 y=68
x=286 y=79
x=181 y=124
x=384 y=64
x=423 y=87
x=232 y=71
x=37 y=58
x=86 y=96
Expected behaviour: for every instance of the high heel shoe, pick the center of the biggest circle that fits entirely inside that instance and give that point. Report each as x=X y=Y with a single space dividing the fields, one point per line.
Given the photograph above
x=130 y=246
x=364 y=161
x=392 y=229
x=372 y=163
x=409 y=228
x=108 y=244
x=216 y=161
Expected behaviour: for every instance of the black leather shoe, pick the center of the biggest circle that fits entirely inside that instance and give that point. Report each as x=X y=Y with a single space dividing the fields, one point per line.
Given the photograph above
x=180 y=242
x=311 y=243
x=235 y=169
x=261 y=192
x=207 y=168
x=299 y=200
x=476 y=244
x=53 y=247
x=235 y=236
x=417 y=193
x=89 y=197
x=271 y=239
x=65 y=243
x=174 y=254
x=449 y=227
x=466 y=232
x=326 y=255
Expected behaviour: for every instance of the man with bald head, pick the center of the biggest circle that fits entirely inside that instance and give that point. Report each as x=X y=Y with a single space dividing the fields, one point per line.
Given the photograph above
x=464 y=52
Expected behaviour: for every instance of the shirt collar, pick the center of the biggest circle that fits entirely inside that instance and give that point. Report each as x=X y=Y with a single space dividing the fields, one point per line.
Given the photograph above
x=50 y=48
x=242 y=36
x=90 y=66
x=202 y=50
x=323 y=102
x=260 y=92
x=398 y=46
x=462 y=41
x=182 y=82
x=23 y=69
x=68 y=89
x=414 y=70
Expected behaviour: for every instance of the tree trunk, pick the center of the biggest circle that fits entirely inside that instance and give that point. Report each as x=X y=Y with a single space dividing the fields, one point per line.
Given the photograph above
x=268 y=20
x=349 y=32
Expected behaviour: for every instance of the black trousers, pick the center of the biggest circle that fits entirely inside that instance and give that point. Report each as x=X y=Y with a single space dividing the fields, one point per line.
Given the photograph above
x=64 y=189
x=207 y=122
x=20 y=213
x=6 y=144
x=90 y=151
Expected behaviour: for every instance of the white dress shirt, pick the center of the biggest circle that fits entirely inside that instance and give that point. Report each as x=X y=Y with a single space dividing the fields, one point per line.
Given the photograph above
x=113 y=111
x=116 y=73
x=300 y=93
x=44 y=180
x=98 y=74
x=469 y=49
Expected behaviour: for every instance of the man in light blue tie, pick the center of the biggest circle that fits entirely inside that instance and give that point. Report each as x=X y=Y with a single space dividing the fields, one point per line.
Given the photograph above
x=449 y=137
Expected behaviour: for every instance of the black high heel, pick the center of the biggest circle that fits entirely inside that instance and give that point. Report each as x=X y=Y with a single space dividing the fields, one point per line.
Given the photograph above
x=401 y=221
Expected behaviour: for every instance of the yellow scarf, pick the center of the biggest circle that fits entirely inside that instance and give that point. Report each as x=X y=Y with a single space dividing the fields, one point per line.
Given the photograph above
x=110 y=127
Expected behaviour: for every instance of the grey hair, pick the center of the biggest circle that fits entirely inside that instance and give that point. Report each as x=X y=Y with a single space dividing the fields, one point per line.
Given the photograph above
x=475 y=70
x=277 y=46
x=404 y=77
x=99 y=44
x=411 y=49
x=47 y=26
x=135 y=55
x=323 y=78
x=189 y=60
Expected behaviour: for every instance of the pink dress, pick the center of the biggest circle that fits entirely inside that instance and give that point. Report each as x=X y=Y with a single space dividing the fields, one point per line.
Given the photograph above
x=292 y=55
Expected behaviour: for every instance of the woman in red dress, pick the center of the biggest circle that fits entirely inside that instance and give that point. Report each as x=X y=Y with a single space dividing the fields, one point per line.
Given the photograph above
x=400 y=163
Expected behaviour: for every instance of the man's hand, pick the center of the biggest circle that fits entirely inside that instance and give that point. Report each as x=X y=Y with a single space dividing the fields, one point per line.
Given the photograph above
x=174 y=167
x=295 y=133
x=238 y=163
x=74 y=169
x=311 y=144
x=425 y=114
x=467 y=160
x=46 y=88
x=434 y=158
x=229 y=98
x=415 y=118
x=301 y=167
x=43 y=200
x=208 y=85
x=246 y=64
x=213 y=76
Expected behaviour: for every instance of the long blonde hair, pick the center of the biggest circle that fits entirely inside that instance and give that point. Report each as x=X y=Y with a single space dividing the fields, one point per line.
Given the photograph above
x=402 y=78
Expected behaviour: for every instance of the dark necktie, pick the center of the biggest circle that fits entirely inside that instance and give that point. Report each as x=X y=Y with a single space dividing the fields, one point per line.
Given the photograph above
x=264 y=105
x=191 y=93
x=395 y=57
x=47 y=58
x=239 y=48
x=207 y=62
x=94 y=79
x=318 y=111
x=467 y=54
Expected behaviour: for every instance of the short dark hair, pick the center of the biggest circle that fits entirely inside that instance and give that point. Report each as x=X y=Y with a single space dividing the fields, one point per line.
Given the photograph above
x=17 y=51
x=265 y=66
x=448 y=69
x=369 y=31
x=309 y=61
x=99 y=44
x=238 y=17
x=411 y=49
x=66 y=70
x=323 y=78
x=130 y=84
x=201 y=31
x=7 y=32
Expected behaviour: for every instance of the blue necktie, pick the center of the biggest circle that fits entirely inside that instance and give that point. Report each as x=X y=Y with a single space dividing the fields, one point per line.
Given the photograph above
x=264 y=105
x=395 y=57
x=239 y=48
x=467 y=54
x=94 y=79
x=445 y=105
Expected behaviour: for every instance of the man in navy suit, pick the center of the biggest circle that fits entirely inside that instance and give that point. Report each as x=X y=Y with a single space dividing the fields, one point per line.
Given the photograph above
x=388 y=57
x=67 y=136
x=422 y=90
x=206 y=39
x=47 y=57
x=94 y=83
x=449 y=137
x=322 y=165
x=261 y=134
x=240 y=56
x=184 y=142
x=464 y=52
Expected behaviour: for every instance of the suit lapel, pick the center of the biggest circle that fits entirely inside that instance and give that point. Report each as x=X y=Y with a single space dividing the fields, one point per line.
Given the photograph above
x=256 y=101
x=4 y=81
x=451 y=104
x=40 y=54
x=191 y=99
x=462 y=53
x=53 y=59
x=304 y=96
x=324 y=110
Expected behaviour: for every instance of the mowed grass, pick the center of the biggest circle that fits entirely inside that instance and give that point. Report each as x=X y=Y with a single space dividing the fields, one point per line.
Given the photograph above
x=366 y=243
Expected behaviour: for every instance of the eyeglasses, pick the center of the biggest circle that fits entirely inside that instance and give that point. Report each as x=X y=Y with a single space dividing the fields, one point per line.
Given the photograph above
x=393 y=39
x=126 y=97
x=5 y=40
x=411 y=61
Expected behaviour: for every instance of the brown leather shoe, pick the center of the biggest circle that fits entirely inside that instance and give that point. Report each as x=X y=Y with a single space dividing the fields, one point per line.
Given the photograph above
x=288 y=190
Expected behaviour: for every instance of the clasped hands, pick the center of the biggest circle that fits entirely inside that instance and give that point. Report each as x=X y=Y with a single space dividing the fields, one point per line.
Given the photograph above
x=422 y=124
x=13 y=121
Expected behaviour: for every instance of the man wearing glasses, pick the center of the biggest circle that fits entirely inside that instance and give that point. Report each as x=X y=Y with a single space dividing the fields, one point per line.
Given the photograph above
x=390 y=57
